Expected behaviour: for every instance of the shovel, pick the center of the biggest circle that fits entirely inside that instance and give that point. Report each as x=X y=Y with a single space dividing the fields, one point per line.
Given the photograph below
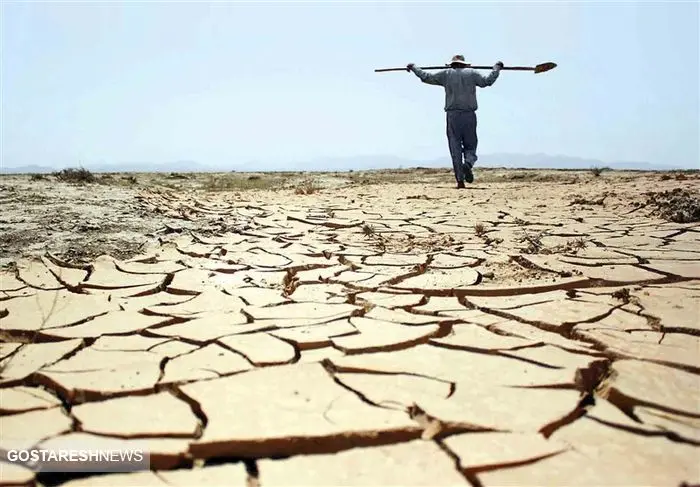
x=540 y=68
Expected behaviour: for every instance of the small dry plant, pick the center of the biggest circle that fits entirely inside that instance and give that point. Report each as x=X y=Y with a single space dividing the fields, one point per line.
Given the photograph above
x=597 y=171
x=307 y=187
x=533 y=243
x=573 y=246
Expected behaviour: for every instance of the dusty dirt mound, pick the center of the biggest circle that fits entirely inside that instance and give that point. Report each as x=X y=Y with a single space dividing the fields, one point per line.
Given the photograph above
x=676 y=205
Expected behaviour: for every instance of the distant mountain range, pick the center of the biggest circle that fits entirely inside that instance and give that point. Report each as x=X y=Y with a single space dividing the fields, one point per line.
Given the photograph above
x=359 y=163
x=176 y=166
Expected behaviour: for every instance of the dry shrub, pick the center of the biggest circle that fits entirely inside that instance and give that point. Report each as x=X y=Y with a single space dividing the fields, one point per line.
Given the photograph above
x=597 y=171
x=77 y=176
x=307 y=187
x=677 y=205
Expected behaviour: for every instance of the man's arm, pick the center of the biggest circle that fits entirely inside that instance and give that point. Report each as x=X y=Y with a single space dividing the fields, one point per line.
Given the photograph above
x=483 y=82
x=429 y=78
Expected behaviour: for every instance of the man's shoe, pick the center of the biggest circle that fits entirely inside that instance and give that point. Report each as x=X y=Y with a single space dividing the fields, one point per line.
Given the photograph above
x=468 y=174
x=460 y=185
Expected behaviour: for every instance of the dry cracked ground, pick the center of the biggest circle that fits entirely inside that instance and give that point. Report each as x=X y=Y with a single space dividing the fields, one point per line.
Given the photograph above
x=375 y=329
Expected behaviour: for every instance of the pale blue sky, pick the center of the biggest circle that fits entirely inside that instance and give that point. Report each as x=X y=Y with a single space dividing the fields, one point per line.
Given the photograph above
x=226 y=83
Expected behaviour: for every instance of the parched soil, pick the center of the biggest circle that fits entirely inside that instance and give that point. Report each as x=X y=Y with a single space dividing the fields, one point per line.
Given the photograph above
x=378 y=328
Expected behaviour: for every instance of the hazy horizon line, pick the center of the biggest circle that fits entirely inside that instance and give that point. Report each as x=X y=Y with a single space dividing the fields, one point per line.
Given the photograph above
x=381 y=159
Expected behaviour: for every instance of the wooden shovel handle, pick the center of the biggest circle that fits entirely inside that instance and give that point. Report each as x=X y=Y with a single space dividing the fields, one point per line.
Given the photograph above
x=540 y=68
x=384 y=70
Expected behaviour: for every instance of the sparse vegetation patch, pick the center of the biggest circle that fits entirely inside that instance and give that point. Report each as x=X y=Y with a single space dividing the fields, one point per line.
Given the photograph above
x=76 y=176
x=677 y=205
x=533 y=242
x=534 y=245
x=308 y=187
x=234 y=182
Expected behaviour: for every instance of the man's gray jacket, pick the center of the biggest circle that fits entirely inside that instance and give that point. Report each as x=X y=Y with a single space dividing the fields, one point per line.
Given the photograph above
x=460 y=85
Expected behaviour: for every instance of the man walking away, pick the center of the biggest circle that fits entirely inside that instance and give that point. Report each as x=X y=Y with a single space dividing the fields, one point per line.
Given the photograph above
x=460 y=106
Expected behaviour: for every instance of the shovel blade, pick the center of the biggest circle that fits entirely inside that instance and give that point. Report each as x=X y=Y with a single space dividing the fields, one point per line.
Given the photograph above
x=541 y=68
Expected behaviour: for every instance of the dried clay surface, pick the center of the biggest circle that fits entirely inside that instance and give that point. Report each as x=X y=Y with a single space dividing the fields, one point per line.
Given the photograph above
x=538 y=328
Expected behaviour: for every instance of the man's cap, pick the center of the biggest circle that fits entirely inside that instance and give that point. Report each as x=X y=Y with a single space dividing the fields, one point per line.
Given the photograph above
x=458 y=59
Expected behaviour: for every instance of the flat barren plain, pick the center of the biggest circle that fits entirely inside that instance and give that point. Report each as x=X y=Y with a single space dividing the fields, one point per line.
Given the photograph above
x=539 y=328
